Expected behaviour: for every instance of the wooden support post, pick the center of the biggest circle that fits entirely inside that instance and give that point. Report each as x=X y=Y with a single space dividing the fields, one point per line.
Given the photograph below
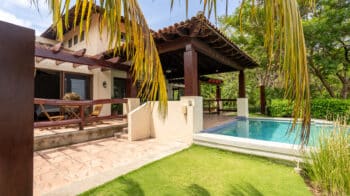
x=191 y=71
x=131 y=90
x=218 y=98
x=17 y=111
x=262 y=100
x=82 y=118
x=241 y=83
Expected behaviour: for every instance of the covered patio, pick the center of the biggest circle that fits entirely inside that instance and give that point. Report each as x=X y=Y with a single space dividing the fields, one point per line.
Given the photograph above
x=192 y=50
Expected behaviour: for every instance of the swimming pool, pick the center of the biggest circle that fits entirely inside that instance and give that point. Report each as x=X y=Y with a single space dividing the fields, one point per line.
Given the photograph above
x=268 y=130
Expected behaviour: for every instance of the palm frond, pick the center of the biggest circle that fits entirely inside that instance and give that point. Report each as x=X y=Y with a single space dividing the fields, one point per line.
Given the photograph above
x=138 y=46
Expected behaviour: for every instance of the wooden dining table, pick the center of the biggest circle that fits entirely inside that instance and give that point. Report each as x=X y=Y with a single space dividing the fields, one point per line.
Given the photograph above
x=72 y=112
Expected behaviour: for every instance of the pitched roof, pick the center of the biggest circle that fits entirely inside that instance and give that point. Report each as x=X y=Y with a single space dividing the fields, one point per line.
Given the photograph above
x=199 y=27
x=51 y=32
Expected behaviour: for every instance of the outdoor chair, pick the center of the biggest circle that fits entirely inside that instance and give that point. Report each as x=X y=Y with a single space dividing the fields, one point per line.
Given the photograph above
x=97 y=110
x=51 y=118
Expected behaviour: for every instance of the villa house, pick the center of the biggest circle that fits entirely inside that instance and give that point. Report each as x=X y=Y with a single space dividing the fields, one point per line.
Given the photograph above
x=189 y=51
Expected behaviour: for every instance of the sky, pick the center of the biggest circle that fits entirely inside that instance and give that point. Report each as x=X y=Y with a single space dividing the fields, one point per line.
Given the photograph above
x=157 y=12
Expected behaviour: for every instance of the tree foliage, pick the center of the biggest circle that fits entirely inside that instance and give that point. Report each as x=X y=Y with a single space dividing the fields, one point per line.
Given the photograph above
x=281 y=14
x=327 y=34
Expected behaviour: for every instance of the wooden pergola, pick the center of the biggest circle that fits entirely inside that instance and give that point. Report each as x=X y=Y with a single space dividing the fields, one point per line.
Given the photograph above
x=104 y=61
x=195 y=48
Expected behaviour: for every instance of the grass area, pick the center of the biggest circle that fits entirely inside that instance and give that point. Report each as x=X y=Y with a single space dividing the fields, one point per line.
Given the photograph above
x=206 y=171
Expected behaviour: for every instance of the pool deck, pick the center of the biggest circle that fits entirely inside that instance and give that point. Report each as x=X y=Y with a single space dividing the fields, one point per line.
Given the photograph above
x=213 y=120
x=275 y=150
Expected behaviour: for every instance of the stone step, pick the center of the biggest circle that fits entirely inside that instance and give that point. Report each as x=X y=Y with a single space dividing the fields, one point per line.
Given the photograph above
x=121 y=135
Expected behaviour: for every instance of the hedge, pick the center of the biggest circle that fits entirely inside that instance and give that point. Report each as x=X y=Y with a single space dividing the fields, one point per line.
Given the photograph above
x=320 y=108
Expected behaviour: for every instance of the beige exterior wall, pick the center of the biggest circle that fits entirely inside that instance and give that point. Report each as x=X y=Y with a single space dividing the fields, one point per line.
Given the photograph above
x=95 y=43
x=184 y=118
x=98 y=91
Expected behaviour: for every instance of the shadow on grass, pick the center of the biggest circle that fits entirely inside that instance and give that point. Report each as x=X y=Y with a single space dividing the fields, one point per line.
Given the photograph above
x=196 y=190
x=244 y=189
x=131 y=187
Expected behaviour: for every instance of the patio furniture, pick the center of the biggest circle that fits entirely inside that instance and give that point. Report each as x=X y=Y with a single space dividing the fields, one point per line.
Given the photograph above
x=71 y=111
x=97 y=110
x=51 y=118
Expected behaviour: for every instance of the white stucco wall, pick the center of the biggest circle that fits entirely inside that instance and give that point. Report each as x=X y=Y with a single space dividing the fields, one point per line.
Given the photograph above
x=184 y=118
x=99 y=92
x=94 y=42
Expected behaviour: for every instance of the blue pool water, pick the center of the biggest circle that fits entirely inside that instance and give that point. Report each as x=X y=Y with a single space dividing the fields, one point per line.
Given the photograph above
x=268 y=130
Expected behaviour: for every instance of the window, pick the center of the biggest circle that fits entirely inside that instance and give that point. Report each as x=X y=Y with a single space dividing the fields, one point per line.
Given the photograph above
x=69 y=43
x=82 y=36
x=47 y=84
x=79 y=84
x=119 y=87
x=75 y=39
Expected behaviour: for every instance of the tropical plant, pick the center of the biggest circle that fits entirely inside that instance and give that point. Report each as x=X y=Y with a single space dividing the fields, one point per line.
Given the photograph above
x=141 y=48
x=327 y=34
x=329 y=163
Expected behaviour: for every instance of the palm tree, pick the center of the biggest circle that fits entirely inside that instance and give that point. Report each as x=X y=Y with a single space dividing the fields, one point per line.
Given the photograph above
x=141 y=49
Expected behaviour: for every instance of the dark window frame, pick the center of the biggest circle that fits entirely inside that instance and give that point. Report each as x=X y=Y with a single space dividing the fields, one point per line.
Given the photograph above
x=82 y=36
x=70 y=43
x=75 y=39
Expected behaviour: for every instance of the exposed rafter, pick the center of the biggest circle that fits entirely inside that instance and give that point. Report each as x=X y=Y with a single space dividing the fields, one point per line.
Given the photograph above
x=80 y=53
x=57 y=62
x=56 y=48
x=39 y=59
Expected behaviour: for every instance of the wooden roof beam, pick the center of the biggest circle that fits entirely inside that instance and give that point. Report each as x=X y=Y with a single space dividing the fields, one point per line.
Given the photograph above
x=75 y=65
x=68 y=57
x=172 y=45
x=195 y=29
x=80 y=53
x=114 y=60
x=39 y=59
x=56 y=48
x=212 y=53
x=59 y=62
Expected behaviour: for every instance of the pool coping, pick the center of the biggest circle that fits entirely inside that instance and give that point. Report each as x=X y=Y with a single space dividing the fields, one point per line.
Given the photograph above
x=270 y=149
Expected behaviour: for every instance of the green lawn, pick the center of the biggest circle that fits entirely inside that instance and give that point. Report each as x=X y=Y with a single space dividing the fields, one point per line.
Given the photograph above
x=207 y=171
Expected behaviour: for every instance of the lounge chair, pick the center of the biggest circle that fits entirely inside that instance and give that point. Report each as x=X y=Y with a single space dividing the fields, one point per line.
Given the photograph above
x=97 y=110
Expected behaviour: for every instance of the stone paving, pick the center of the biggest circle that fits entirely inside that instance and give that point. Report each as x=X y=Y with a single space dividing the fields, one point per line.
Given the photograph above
x=57 y=168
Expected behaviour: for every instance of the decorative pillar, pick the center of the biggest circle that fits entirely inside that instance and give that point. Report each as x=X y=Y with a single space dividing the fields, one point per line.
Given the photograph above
x=191 y=71
x=242 y=101
x=218 y=99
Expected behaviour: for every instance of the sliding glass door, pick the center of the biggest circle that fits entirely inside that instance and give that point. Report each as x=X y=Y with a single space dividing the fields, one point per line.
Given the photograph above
x=80 y=84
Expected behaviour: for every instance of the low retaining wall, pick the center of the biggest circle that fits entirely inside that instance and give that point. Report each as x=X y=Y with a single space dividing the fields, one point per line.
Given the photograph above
x=74 y=137
x=184 y=118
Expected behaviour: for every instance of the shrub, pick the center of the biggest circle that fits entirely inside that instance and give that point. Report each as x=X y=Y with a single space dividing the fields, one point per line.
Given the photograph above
x=280 y=108
x=329 y=163
x=320 y=108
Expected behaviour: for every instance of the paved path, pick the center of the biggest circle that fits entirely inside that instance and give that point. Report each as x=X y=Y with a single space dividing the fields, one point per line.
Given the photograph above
x=73 y=169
